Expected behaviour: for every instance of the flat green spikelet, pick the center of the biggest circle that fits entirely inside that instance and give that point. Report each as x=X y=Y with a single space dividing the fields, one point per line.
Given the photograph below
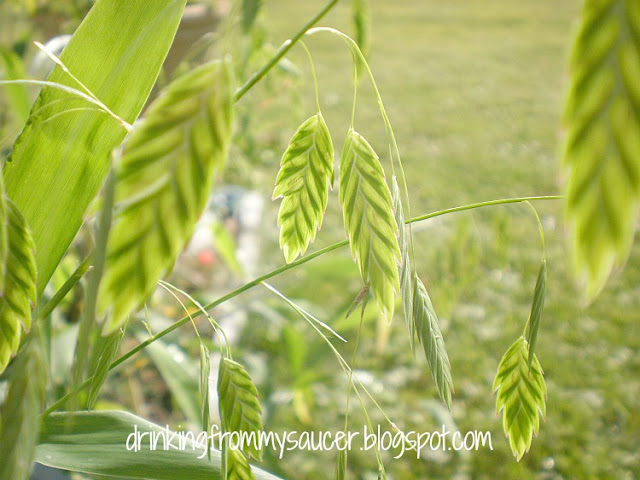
x=238 y=403
x=369 y=220
x=306 y=171
x=521 y=395
x=238 y=467
x=603 y=139
x=406 y=277
x=163 y=182
x=425 y=326
x=19 y=295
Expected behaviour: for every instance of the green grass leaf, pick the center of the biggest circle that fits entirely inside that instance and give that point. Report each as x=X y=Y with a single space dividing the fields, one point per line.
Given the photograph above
x=369 y=221
x=521 y=395
x=238 y=403
x=406 y=278
x=428 y=331
x=96 y=443
x=19 y=295
x=21 y=410
x=537 y=306
x=163 y=183
x=306 y=170
x=61 y=158
x=603 y=139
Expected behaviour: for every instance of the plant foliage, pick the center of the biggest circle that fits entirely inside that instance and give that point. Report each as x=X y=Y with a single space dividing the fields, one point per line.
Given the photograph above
x=521 y=395
x=306 y=171
x=603 y=139
x=369 y=221
x=163 y=182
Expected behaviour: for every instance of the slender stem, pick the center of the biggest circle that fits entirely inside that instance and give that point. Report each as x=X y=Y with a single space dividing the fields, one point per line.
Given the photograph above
x=276 y=272
x=282 y=51
x=502 y=201
x=313 y=73
x=71 y=282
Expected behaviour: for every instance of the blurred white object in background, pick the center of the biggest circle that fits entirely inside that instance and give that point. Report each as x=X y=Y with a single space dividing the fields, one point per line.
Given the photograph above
x=41 y=64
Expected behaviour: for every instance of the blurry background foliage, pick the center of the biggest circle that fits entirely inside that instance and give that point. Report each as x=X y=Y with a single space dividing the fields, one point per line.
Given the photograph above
x=475 y=97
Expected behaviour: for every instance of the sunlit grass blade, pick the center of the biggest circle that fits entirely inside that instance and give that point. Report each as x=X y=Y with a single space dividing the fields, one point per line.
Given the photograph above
x=19 y=295
x=163 y=183
x=369 y=221
x=306 y=170
x=521 y=395
x=603 y=139
x=537 y=306
x=21 y=410
x=406 y=277
x=238 y=403
x=428 y=332
x=64 y=159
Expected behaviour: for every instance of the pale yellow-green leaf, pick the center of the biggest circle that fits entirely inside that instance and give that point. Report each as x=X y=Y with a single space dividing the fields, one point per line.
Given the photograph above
x=521 y=395
x=369 y=220
x=602 y=145
x=19 y=295
x=163 y=183
x=306 y=171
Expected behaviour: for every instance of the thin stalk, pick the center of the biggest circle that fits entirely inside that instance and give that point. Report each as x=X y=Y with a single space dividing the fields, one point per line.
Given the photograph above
x=71 y=282
x=282 y=51
x=280 y=270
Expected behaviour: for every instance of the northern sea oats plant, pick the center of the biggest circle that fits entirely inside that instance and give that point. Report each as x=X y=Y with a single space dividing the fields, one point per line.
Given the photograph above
x=86 y=143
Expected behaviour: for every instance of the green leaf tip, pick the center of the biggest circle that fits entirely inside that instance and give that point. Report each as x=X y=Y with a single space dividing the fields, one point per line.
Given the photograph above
x=521 y=395
x=306 y=172
x=602 y=116
x=369 y=220
x=163 y=182
x=425 y=326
